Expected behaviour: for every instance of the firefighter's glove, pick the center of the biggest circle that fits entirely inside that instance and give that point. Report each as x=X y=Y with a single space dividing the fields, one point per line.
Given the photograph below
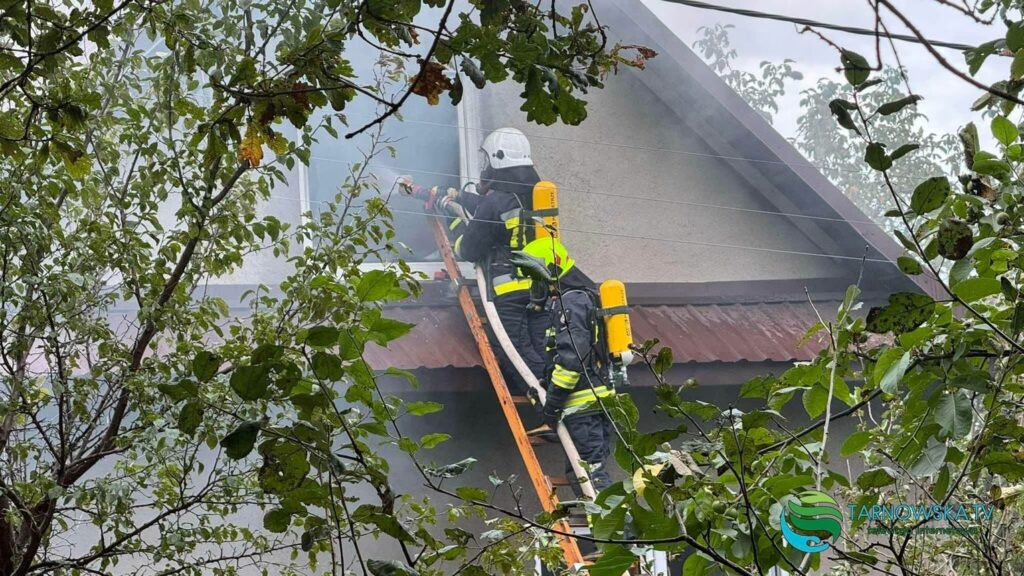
x=552 y=416
x=554 y=405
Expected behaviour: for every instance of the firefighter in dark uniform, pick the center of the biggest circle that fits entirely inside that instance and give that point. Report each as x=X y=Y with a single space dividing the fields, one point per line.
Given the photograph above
x=577 y=352
x=500 y=223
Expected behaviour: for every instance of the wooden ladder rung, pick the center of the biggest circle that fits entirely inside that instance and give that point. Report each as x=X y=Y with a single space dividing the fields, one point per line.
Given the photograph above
x=558 y=481
x=521 y=400
x=540 y=431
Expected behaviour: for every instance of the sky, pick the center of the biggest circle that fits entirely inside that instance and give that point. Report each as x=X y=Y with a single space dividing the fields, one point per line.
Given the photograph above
x=947 y=98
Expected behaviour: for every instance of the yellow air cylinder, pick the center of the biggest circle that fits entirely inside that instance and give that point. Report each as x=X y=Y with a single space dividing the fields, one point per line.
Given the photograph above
x=620 y=336
x=545 y=197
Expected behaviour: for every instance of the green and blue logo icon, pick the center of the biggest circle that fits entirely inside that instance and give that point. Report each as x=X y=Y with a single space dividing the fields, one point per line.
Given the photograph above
x=811 y=522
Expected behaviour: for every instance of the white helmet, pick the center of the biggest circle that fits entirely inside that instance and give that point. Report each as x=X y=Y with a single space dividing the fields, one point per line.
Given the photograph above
x=505 y=148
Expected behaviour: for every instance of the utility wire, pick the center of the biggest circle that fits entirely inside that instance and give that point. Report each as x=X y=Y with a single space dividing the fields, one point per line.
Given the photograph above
x=675 y=240
x=628 y=236
x=816 y=24
x=398 y=170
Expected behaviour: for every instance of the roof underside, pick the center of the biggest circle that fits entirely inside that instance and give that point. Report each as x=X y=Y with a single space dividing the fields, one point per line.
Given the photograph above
x=701 y=333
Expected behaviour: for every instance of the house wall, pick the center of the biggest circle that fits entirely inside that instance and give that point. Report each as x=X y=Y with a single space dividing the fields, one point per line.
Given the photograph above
x=639 y=234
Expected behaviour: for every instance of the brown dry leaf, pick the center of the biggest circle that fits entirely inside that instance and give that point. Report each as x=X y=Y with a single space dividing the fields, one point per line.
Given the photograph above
x=640 y=56
x=251 y=149
x=431 y=82
x=300 y=93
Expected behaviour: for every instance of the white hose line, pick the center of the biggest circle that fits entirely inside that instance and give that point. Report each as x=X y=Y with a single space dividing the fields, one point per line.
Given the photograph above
x=571 y=453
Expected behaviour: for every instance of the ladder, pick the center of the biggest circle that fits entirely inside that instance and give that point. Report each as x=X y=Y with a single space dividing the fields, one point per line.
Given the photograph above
x=543 y=484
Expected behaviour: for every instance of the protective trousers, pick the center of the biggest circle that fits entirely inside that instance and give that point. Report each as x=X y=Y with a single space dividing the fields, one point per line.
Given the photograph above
x=526 y=329
x=592 y=433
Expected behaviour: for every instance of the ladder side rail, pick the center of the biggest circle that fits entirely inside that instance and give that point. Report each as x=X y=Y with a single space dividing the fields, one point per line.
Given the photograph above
x=571 y=453
x=548 y=500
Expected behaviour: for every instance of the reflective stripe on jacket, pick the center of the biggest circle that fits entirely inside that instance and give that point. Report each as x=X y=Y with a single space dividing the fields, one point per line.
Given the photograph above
x=489 y=237
x=575 y=349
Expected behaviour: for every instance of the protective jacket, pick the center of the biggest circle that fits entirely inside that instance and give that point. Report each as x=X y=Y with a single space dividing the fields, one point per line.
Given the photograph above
x=577 y=349
x=496 y=228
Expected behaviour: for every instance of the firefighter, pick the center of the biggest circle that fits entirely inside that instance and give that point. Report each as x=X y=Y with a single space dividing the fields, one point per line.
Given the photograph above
x=501 y=223
x=577 y=356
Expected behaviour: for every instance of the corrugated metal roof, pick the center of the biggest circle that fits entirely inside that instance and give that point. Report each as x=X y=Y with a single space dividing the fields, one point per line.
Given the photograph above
x=440 y=338
x=729 y=333
x=696 y=333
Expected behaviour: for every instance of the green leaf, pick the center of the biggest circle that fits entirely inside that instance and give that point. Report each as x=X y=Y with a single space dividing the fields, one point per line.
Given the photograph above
x=907 y=242
x=815 y=398
x=205 y=365
x=250 y=382
x=493 y=11
x=895 y=106
x=452 y=470
x=975 y=57
x=190 y=417
x=876 y=157
x=239 y=443
x=759 y=387
x=975 y=381
x=779 y=486
x=1004 y=464
x=855 y=67
x=1004 y=130
x=386 y=523
x=695 y=565
x=955 y=414
x=941 y=484
x=909 y=265
x=1015 y=36
x=960 y=271
x=930 y=195
x=855 y=443
x=327 y=366
x=973 y=289
x=1017 y=66
x=904 y=312
x=423 y=408
x=429 y=441
x=472 y=493
x=322 y=336
x=955 y=238
x=991 y=167
x=875 y=478
x=613 y=562
x=663 y=361
x=407 y=375
x=375 y=285
x=903 y=151
x=384 y=330
x=285 y=467
x=841 y=110
x=389 y=568
x=892 y=373
x=931 y=459
x=183 y=390
x=277 y=520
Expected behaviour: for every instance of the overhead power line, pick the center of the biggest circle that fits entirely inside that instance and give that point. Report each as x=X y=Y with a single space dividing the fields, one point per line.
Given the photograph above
x=816 y=24
x=605 y=233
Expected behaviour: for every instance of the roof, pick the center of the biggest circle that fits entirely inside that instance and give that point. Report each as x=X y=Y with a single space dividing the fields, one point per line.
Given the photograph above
x=700 y=333
x=441 y=338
